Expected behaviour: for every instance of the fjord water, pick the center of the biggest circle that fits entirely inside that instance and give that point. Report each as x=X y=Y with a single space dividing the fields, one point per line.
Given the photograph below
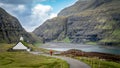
x=83 y=47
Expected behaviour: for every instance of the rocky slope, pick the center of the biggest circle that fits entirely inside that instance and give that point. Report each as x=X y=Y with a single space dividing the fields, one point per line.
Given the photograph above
x=11 y=29
x=86 y=21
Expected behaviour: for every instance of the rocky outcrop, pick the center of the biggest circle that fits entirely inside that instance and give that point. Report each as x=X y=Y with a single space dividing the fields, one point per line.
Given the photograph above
x=51 y=30
x=11 y=29
x=85 y=21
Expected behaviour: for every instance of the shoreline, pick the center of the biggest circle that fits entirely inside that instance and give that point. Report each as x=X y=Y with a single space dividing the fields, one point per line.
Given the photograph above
x=85 y=48
x=108 y=57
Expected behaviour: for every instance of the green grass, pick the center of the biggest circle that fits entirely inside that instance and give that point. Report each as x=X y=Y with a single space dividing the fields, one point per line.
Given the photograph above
x=91 y=43
x=109 y=40
x=114 y=37
x=27 y=60
x=116 y=33
x=67 y=40
x=35 y=47
x=98 y=63
x=37 y=44
x=24 y=43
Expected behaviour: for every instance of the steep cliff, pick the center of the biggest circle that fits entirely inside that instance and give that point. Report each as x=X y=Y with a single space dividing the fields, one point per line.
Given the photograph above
x=85 y=21
x=11 y=29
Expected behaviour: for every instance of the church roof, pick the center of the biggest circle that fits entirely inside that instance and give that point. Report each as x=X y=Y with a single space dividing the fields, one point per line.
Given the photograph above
x=20 y=46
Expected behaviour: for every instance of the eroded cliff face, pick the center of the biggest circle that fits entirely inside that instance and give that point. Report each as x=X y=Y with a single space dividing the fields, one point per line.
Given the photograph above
x=50 y=30
x=11 y=29
x=85 y=21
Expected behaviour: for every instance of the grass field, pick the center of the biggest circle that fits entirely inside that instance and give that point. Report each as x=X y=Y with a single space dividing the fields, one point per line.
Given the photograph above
x=27 y=60
x=37 y=44
x=99 y=63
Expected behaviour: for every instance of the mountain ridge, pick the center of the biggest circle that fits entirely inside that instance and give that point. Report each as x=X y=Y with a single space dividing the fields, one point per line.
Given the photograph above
x=98 y=23
x=11 y=30
x=82 y=6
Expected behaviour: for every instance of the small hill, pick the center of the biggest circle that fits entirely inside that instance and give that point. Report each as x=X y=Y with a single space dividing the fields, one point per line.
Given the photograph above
x=86 y=21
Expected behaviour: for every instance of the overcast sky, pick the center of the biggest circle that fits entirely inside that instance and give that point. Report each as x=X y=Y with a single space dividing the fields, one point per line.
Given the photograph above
x=32 y=13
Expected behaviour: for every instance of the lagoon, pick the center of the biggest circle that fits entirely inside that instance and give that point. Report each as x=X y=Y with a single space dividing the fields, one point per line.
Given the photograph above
x=83 y=47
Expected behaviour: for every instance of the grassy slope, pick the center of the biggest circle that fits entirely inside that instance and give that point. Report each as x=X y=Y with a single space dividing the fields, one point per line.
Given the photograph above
x=36 y=38
x=65 y=40
x=26 y=60
x=97 y=63
x=109 y=9
x=114 y=34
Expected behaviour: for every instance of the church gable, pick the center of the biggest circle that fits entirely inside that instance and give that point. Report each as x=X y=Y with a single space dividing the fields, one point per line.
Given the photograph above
x=19 y=46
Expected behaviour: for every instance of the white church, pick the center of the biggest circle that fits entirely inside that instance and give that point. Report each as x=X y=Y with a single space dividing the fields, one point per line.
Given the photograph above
x=20 y=46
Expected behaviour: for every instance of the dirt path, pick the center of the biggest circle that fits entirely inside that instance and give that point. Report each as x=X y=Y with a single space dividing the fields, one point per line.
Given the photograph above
x=72 y=62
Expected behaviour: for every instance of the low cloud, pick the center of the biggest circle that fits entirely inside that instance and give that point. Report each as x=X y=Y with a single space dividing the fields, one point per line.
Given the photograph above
x=40 y=13
x=15 y=8
x=52 y=15
x=16 y=2
x=29 y=15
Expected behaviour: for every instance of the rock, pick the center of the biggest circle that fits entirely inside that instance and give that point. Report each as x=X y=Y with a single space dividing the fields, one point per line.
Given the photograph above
x=85 y=21
x=11 y=29
x=49 y=31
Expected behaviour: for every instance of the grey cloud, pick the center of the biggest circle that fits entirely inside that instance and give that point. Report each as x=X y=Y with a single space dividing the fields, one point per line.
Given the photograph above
x=24 y=17
x=19 y=1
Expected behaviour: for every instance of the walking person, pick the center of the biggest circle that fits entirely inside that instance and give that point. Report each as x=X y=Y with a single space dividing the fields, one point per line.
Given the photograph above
x=51 y=52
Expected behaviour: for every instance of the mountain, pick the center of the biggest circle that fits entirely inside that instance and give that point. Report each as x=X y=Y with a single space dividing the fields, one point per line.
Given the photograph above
x=86 y=21
x=11 y=29
x=82 y=5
